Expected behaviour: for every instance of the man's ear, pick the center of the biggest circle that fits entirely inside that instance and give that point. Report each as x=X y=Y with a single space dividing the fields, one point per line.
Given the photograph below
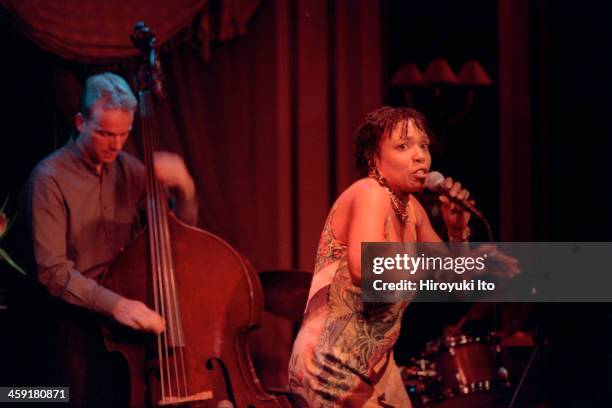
x=79 y=122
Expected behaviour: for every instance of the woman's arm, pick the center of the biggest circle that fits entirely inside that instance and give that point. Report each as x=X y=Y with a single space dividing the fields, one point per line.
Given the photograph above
x=425 y=232
x=369 y=211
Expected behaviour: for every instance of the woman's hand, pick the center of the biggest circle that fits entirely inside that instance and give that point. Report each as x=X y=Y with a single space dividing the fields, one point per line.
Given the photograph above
x=455 y=217
x=499 y=264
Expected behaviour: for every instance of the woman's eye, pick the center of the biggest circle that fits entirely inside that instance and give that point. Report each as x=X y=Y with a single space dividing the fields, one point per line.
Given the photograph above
x=403 y=146
x=425 y=146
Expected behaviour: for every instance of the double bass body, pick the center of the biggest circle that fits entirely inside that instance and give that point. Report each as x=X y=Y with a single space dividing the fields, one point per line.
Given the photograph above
x=220 y=298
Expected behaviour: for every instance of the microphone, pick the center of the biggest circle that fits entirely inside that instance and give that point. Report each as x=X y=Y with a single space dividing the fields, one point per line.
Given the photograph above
x=435 y=182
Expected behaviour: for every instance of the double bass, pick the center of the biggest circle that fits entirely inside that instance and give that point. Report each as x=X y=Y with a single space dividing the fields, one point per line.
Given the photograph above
x=208 y=294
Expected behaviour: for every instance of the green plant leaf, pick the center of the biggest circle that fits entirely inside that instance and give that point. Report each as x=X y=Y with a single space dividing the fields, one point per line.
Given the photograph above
x=8 y=259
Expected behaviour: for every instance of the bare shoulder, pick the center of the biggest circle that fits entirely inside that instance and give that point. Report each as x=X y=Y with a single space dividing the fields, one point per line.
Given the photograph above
x=364 y=195
x=364 y=199
x=368 y=195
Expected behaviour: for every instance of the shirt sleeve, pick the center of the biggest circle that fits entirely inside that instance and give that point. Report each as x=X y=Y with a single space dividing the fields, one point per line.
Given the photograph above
x=55 y=271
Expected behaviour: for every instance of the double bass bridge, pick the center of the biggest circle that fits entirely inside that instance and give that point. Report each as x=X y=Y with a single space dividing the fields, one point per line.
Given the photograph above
x=199 y=397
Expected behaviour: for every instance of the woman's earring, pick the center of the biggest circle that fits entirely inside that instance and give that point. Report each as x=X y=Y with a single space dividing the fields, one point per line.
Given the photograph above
x=372 y=167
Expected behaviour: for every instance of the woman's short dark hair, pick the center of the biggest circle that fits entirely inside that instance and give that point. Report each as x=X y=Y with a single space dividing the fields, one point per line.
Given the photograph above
x=376 y=124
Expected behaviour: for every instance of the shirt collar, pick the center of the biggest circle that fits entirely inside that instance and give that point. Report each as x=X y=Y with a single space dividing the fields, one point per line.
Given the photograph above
x=80 y=154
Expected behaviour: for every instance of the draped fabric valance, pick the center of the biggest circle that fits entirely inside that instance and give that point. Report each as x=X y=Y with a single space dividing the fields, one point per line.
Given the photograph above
x=97 y=31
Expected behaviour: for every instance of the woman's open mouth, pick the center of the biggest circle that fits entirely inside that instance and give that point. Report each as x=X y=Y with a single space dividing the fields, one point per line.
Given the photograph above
x=420 y=173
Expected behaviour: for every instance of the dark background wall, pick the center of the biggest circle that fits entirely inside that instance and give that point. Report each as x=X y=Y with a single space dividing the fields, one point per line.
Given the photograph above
x=554 y=179
x=420 y=32
x=572 y=83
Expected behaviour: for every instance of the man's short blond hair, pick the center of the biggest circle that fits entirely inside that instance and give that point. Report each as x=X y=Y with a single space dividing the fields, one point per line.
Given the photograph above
x=109 y=91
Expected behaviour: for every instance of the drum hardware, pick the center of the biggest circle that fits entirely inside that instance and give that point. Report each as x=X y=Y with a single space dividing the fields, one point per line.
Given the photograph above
x=529 y=364
x=456 y=371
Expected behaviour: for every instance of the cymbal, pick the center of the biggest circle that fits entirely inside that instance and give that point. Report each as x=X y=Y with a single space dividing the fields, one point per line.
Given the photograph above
x=285 y=292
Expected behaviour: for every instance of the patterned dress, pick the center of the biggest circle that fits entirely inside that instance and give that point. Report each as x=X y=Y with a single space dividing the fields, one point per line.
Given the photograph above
x=343 y=354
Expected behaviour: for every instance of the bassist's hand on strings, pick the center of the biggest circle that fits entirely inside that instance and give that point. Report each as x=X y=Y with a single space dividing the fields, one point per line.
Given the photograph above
x=138 y=316
x=170 y=169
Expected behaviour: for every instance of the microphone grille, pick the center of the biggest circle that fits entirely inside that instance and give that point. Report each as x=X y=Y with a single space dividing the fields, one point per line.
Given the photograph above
x=433 y=180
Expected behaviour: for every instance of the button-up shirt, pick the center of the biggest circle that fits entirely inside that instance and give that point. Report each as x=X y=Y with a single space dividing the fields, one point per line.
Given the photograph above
x=81 y=219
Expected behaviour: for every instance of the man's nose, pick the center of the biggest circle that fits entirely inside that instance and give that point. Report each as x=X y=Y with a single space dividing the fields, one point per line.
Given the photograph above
x=116 y=142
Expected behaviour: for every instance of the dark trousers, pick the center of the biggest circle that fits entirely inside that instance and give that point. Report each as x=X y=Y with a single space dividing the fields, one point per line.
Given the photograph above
x=95 y=376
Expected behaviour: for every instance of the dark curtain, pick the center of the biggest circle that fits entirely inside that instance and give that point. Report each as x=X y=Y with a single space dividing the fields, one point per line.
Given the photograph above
x=220 y=117
x=97 y=30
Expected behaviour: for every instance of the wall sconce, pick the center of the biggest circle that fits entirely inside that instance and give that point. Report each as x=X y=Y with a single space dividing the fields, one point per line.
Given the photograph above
x=407 y=77
x=438 y=77
x=472 y=73
x=439 y=72
x=471 y=76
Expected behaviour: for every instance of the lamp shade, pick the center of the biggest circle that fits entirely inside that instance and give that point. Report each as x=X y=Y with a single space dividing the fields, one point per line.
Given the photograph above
x=408 y=75
x=439 y=72
x=473 y=74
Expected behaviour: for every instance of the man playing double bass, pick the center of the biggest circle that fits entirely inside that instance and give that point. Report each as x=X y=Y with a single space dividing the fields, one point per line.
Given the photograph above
x=83 y=203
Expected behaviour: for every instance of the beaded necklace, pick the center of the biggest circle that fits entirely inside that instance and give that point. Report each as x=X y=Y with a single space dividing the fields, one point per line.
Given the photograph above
x=398 y=203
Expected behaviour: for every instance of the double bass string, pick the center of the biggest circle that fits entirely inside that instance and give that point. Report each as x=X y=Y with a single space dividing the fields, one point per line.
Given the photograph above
x=158 y=293
x=174 y=305
x=148 y=156
x=164 y=271
x=174 y=325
